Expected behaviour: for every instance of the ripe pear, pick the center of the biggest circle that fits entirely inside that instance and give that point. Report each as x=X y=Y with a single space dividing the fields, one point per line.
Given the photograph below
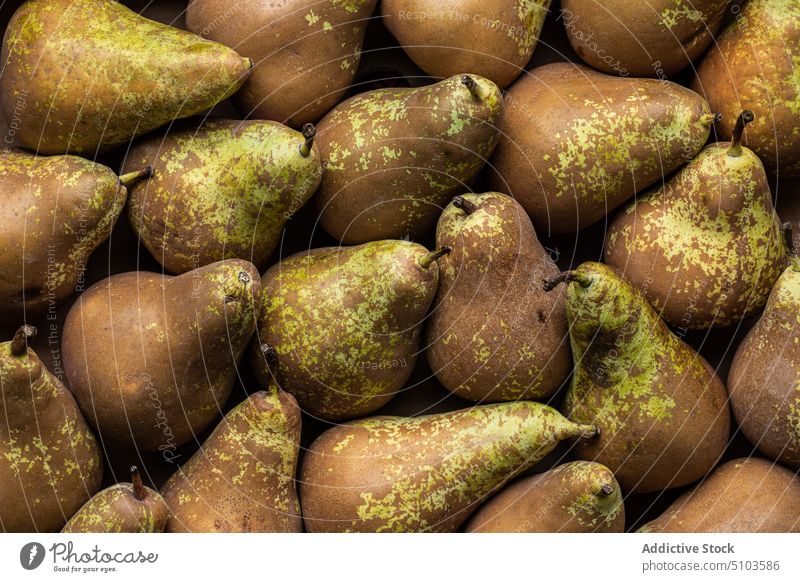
x=58 y=210
x=661 y=409
x=122 y=508
x=764 y=379
x=50 y=462
x=343 y=324
x=577 y=144
x=243 y=477
x=220 y=191
x=427 y=473
x=742 y=496
x=492 y=39
x=706 y=247
x=394 y=158
x=83 y=76
x=577 y=497
x=495 y=335
x=151 y=358
x=753 y=65
x=305 y=52
x=652 y=38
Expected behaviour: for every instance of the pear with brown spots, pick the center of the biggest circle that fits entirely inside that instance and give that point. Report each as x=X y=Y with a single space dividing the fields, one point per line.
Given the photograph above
x=577 y=144
x=122 y=508
x=706 y=247
x=152 y=358
x=243 y=477
x=495 y=335
x=83 y=76
x=427 y=473
x=50 y=462
x=661 y=410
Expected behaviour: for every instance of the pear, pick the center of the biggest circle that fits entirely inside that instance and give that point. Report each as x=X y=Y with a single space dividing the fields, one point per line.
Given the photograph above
x=243 y=478
x=122 y=508
x=492 y=39
x=305 y=52
x=423 y=474
x=495 y=335
x=577 y=144
x=656 y=38
x=151 y=358
x=50 y=462
x=577 y=497
x=58 y=210
x=661 y=410
x=707 y=246
x=83 y=76
x=343 y=324
x=764 y=379
x=394 y=158
x=220 y=191
x=753 y=65
x=742 y=496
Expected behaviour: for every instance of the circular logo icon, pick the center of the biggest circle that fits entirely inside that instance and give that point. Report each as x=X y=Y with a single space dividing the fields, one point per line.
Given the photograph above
x=31 y=555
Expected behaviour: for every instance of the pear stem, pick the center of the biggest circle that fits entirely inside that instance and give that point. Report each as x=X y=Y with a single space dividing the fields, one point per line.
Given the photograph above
x=19 y=345
x=269 y=352
x=463 y=204
x=473 y=87
x=426 y=261
x=139 y=492
x=309 y=133
x=589 y=431
x=745 y=117
x=710 y=118
x=566 y=277
x=606 y=489
x=133 y=178
x=788 y=238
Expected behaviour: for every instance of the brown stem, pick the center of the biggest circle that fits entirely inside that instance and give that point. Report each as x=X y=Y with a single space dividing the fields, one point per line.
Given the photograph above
x=133 y=178
x=463 y=204
x=566 y=277
x=309 y=133
x=19 y=345
x=788 y=238
x=139 y=491
x=472 y=86
x=745 y=117
x=426 y=261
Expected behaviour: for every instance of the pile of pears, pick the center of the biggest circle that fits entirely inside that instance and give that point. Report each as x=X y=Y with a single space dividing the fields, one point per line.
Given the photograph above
x=253 y=282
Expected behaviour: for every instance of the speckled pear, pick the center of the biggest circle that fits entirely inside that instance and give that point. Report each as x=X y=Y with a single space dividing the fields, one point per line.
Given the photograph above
x=577 y=497
x=339 y=328
x=706 y=247
x=122 y=508
x=661 y=410
x=577 y=144
x=82 y=76
x=152 y=358
x=243 y=477
x=395 y=157
x=57 y=211
x=223 y=190
x=427 y=473
x=50 y=462
x=764 y=380
x=495 y=335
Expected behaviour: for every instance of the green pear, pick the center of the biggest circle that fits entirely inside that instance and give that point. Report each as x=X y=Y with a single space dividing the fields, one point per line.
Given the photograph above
x=83 y=76
x=220 y=191
x=423 y=474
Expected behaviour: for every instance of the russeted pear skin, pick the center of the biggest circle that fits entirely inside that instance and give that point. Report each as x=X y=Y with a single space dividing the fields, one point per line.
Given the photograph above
x=394 y=158
x=661 y=410
x=747 y=495
x=706 y=247
x=426 y=473
x=305 y=53
x=577 y=497
x=151 y=359
x=343 y=324
x=444 y=38
x=764 y=380
x=576 y=143
x=654 y=38
x=82 y=76
x=50 y=462
x=223 y=190
x=753 y=65
x=121 y=508
x=243 y=477
x=495 y=335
